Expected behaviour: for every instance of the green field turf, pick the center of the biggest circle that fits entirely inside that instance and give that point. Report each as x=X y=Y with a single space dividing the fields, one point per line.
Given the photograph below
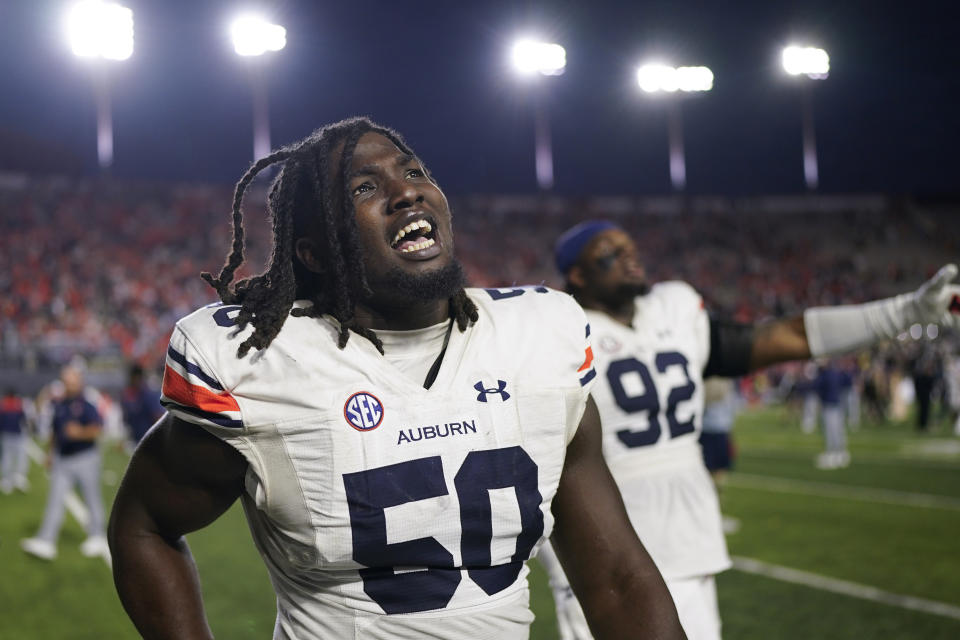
x=855 y=524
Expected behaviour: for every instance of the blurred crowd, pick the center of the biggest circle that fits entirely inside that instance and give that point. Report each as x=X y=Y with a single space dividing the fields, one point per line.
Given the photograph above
x=102 y=269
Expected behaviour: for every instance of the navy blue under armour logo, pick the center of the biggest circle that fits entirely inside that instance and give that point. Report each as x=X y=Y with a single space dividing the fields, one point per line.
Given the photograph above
x=484 y=392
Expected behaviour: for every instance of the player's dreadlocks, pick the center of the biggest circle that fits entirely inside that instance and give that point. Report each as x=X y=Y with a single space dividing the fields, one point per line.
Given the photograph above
x=302 y=191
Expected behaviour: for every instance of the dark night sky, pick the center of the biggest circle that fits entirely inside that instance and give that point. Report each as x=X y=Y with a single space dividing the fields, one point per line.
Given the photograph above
x=887 y=118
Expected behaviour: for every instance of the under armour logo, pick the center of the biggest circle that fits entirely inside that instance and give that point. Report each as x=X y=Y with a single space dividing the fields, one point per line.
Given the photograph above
x=484 y=392
x=954 y=304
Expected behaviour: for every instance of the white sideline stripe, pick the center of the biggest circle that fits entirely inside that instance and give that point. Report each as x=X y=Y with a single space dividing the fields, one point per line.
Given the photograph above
x=74 y=505
x=927 y=461
x=852 y=589
x=846 y=492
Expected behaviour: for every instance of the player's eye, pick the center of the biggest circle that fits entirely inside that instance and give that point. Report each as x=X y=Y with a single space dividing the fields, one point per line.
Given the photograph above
x=415 y=173
x=362 y=189
x=605 y=262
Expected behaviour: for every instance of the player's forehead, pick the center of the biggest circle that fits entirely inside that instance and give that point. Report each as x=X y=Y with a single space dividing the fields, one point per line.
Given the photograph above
x=607 y=241
x=376 y=149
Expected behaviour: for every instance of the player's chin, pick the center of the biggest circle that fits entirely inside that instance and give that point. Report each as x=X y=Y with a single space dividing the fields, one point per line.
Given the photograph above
x=633 y=288
x=435 y=279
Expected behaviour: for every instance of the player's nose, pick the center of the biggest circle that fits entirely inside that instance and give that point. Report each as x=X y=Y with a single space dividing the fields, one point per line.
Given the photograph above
x=403 y=195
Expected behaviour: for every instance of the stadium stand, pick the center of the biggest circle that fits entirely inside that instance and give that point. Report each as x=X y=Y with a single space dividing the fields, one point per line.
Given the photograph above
x=103 y=268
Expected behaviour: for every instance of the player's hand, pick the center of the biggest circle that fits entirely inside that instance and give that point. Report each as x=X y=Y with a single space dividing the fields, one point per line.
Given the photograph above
x=938 y=300
x=73 y=430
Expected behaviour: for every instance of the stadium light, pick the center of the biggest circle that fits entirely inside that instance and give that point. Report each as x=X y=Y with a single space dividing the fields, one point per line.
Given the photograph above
x=99 y=31
x=546 y=58
x=252 y=37
x=814 y=63
x=808 y=61
x=531 y=58
x=656 y=78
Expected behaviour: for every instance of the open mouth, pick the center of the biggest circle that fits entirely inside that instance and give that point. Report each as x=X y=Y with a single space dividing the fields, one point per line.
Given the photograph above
x=415 y=236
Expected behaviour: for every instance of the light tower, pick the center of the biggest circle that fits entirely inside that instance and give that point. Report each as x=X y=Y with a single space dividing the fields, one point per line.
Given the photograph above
x=655 y=78
x=532 y=58
x=252 y=37
x=807 y=63
x=101 y=32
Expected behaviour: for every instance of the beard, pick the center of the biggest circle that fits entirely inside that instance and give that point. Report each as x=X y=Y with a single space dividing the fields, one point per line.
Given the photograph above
x=401 y=287
x=630 y=291
x=621 y=295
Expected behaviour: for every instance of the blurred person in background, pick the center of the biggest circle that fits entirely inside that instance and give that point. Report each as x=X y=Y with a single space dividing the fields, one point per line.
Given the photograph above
x=876 y=394
x=720 y=405
x=74 y=460
x=852 y=399
x=925 y=371
x=140 y=404
x=810 y=403
x=951 y=382
x=654 y=345
x=13 y=443
x=832 y=384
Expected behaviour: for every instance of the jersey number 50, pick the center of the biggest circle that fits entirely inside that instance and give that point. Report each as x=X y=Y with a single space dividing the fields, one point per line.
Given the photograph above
x=649 y=400
x=370 y=492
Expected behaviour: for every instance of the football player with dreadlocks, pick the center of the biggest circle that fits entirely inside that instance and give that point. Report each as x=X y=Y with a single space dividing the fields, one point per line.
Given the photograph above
x=401 y=445
x=654 y=345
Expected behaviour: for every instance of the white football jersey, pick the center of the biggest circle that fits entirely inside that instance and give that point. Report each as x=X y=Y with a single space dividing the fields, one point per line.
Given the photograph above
x=650 y=397
x=383 y=509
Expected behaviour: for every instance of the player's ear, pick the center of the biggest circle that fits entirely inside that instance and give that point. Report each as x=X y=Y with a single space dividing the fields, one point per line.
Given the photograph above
x=575 y=277
x=308 y=254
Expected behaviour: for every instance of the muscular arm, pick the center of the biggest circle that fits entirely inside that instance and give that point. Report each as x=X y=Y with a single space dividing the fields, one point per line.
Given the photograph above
x=618 y=586
x=736 y=349
x=180 y=479
x=779 y=341
x=841 y=329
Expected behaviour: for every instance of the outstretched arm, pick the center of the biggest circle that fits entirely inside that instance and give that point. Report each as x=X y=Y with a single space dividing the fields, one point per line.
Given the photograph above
x=180 y=479
x=779 y=341
x=620 y=589
x=824 y=331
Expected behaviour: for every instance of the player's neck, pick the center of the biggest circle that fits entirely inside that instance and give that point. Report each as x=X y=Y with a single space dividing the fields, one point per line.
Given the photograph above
x=403 y=318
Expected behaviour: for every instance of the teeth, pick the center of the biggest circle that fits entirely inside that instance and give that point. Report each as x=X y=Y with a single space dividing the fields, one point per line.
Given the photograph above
x=419 y=224
x=423 y=244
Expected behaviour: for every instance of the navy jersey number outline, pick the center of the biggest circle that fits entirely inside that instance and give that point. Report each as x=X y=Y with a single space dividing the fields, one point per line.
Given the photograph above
x=500 y=294
x=649 y=400
x=223 y=318
x=370 y=492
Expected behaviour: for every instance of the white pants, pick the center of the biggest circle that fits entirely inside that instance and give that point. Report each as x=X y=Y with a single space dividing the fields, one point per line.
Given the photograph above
x=834 y=431
x=81 y=469
x=695 y=599
x=808 y=423
x=13 y=466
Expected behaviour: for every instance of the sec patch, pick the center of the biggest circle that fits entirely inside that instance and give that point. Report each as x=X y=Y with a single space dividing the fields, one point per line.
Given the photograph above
x=363 y=411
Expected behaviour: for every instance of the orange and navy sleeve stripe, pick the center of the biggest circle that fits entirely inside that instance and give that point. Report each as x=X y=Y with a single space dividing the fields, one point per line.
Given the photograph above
x=587 y=363
x=191 y=393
